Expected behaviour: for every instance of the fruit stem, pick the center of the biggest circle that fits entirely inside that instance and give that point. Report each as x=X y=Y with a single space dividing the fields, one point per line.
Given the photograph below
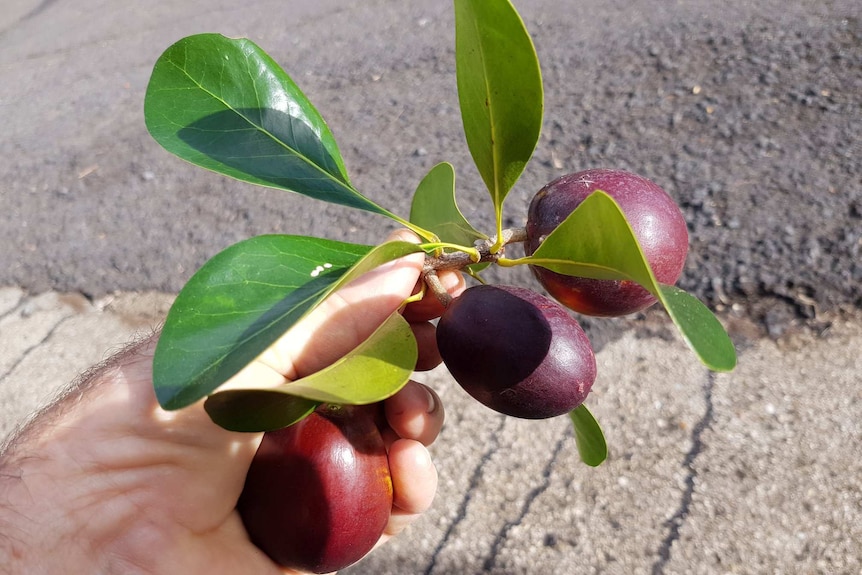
x=457 y=260
x=482 y=253
x=436 y=286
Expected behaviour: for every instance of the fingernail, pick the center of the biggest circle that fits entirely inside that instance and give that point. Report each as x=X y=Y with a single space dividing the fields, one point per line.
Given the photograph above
x=431 y=400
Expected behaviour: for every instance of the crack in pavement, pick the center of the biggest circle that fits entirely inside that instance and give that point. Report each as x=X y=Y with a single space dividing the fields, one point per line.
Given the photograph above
x=491 y=560
x=468 y=496
x=15 y=308
x=43 y=5
x=30 y=349
x=677 y=521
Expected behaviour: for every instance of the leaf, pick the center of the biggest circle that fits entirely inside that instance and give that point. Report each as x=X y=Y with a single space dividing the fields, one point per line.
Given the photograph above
x=375 y=370
x=225 y=105
x=596 y=241
x=499 y=89
x=435 y=209
x=261 y=410
x=700 y=328
x=589 y=437
x=244 y=299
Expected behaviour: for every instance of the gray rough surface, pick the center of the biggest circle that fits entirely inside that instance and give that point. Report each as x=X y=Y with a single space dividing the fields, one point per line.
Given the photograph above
x=756 y=471
x=748 y=113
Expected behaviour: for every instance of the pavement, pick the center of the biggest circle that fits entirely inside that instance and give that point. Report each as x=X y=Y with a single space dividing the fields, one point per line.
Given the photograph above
x=748 y=110
x=756 y=471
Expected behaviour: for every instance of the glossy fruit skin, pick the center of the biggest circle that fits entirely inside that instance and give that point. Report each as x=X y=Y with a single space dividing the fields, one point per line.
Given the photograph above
x=655 y=218
x=516 y=351
x=319 y=493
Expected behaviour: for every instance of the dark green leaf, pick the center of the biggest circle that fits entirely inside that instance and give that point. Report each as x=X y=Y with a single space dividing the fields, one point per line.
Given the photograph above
x=700 y=328
x=588 y=436
x=225 y=105
x=435 y=209
x=375 y=370
x=260 y=410
x=499 y=89
x=244 y=299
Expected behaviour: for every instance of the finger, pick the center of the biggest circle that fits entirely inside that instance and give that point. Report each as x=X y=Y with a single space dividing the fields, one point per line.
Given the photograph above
x=429 y=307
x=415 y=412
x=347 y=317
x=426 y=339
x=414 y=480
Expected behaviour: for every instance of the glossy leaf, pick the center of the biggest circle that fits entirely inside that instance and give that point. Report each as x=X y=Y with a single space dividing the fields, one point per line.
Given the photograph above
x=375 y=370
x=700 y=328
x=596 y=241
x=225 y=105
x=589 y=438
x=244 y=299
x=499 y=89
x=434 y=208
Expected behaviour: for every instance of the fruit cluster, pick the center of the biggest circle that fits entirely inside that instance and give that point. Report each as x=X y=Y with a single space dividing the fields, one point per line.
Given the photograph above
x=512 y=349
x=600 y=242
x=521 y=353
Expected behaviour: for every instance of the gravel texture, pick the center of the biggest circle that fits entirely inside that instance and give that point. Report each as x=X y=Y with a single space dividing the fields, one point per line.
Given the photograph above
x=748 y=114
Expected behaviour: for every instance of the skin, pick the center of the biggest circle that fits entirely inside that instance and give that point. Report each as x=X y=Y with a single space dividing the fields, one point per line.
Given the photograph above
x=105 y=481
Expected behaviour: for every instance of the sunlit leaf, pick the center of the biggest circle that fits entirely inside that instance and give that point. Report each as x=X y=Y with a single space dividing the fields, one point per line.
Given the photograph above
x=589 y=438
x=244 y=299
x=700 y=328
x=375 y=370
x=596 y=241
x=499 y=89
x=226 y=105
x=434 y=208
x=258 y=410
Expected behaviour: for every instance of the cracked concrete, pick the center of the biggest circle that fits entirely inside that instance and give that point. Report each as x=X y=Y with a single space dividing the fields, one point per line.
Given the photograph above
x=756 y=471
x=676 y=522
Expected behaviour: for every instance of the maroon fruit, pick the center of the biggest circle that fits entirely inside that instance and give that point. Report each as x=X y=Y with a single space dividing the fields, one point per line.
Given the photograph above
x=516 y=351
x=318 y=494
x=656 y=220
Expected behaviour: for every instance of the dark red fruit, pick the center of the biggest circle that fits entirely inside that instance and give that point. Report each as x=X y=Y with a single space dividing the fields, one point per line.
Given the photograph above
x=318 y=494
x=656 y=220
x=516 y=351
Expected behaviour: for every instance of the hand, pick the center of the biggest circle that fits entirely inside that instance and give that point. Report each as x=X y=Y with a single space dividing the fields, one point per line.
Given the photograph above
x=104 y=480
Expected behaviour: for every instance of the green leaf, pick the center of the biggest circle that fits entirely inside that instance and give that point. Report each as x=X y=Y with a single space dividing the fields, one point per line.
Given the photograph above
x=588 y=436
x=700 y=328
x=435 y=209
x=375 y=370
x=260 y=410
x=244 y=299
x=225 y=105
x=499 y=89
x=596 y=241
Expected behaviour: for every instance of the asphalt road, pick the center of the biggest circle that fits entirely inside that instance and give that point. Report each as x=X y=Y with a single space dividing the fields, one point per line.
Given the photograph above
x=748 y=113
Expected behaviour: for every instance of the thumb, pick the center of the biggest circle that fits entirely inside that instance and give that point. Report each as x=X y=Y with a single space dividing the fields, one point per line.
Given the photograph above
x=347 y=317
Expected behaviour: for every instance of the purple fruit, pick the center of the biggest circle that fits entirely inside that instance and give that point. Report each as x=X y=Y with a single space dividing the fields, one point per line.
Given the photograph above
x=655 y=219
x=516 y=351
x=319 y=494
